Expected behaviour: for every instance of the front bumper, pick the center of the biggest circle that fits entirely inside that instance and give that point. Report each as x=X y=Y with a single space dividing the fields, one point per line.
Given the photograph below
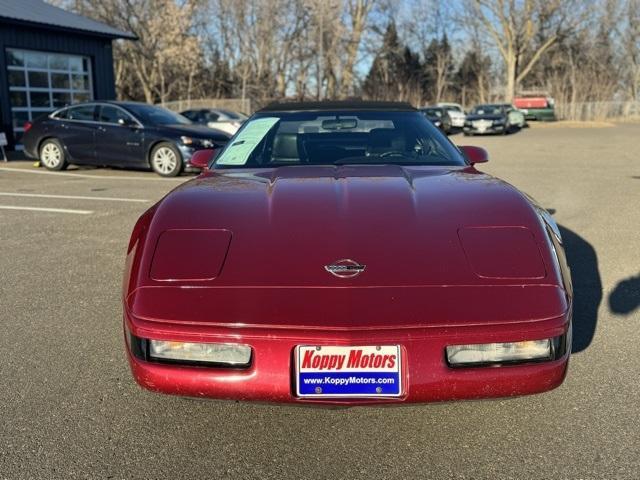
x=187 y=152
x=426 y=375
x=493 y=129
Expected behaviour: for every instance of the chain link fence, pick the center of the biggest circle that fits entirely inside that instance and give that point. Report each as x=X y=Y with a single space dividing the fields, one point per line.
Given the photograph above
x=579 y=111
x=589 y=111
x=234 y=104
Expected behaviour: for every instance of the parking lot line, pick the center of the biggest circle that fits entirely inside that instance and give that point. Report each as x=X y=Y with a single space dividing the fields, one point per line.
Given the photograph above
x=73 y=197
x=95 y=177
x=43 y=209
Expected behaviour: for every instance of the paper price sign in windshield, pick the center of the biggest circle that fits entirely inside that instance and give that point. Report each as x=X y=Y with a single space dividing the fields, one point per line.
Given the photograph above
x=239 y=151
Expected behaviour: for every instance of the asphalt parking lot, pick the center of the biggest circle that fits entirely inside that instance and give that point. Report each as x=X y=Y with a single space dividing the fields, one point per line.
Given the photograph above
x=70 y=409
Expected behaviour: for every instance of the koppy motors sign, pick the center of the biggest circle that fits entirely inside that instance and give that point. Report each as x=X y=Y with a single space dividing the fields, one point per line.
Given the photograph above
x=352 y=371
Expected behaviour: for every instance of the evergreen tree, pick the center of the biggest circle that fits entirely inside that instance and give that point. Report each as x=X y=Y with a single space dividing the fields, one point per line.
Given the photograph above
x=438 y=69
x=471 y=80
x=396 y=72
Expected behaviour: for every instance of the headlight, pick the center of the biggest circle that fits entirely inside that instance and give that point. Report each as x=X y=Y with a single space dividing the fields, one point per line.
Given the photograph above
x=546 y=217
x=487 y=353
x=197 y=142
x=230 y=354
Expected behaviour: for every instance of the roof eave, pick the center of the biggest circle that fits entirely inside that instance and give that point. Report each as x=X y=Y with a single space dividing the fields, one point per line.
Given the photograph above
x=46 y=26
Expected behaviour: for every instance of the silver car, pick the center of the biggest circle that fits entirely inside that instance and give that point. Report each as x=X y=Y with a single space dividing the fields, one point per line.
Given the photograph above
x=217 y=118
x=456 y=113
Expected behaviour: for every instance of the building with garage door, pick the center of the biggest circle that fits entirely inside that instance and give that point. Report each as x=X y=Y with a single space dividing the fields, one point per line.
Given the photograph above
x=50 y=58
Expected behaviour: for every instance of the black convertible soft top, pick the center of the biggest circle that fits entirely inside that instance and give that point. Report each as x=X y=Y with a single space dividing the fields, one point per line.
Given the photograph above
x=287 y=106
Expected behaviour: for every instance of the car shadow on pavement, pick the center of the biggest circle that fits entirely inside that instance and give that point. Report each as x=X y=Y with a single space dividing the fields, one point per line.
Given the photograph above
x=625 y=298
x=587 y=287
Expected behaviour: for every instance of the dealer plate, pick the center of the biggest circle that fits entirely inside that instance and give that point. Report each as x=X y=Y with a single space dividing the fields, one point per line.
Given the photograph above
x=353 y=371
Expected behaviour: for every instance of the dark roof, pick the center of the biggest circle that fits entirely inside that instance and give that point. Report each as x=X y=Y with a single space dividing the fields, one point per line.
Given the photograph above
x=336 y=105
x=41 y=14
x=125 y=103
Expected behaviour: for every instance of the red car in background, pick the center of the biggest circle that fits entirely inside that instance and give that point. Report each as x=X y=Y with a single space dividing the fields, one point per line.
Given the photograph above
x=536 y=107
x=346 y=253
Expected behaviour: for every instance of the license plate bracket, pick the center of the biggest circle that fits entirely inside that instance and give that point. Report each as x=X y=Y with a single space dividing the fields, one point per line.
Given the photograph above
x=337 y=371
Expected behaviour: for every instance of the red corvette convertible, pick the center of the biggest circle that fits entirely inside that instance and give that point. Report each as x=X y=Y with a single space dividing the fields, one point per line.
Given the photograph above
x=346 y=253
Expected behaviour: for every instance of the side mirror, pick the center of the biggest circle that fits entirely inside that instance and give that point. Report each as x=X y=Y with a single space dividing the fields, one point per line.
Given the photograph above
x=474 y=154
x=202 y=158
x=127 y=122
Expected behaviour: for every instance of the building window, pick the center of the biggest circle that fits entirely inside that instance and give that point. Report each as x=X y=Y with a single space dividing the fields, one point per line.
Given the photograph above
x=41 y=82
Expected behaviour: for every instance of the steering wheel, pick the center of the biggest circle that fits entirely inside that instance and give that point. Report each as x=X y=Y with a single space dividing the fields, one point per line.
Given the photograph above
x=391 y=153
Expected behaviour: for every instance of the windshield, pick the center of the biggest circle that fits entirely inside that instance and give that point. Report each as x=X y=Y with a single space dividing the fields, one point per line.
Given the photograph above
x=338 y=138
x=432 y=112
x=149 y=114
x=488 y=110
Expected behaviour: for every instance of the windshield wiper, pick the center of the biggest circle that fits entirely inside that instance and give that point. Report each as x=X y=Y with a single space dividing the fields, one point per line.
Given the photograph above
x=400 y=159
x=373 y=159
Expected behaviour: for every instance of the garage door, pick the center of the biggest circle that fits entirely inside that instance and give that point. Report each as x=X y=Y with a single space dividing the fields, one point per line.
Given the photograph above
x=40 y=82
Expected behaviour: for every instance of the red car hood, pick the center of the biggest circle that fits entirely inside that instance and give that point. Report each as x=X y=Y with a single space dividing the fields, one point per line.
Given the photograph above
x=419 y=232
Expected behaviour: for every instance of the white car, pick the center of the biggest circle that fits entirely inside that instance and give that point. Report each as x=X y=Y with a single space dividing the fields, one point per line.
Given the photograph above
x=216 y=118
x=516 y=116
x=456 y=113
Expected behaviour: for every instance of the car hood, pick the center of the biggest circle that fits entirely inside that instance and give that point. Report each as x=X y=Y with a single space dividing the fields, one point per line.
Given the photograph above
x=427 y=237
x=402 y=223
x=471 y=118
x=198 y=131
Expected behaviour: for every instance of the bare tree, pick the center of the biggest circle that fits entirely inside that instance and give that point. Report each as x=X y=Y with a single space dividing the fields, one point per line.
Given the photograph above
x=358 y=11
x=631 y=47
x=438 y=67
x=261 y=49
x=523 y=31
x=163 y=58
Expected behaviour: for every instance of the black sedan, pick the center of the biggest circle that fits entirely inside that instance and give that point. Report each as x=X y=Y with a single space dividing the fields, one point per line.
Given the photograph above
x=484 y=119
x=439 y=117
x=123 y=134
